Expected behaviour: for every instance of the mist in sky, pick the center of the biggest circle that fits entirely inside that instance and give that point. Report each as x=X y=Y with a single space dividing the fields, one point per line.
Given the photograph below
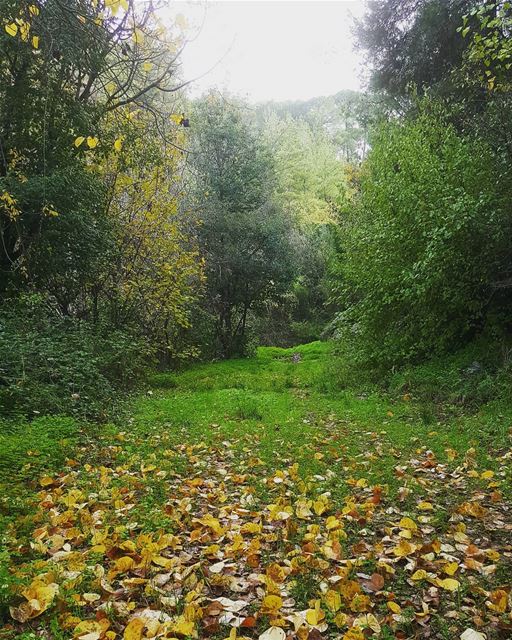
x=265 y=50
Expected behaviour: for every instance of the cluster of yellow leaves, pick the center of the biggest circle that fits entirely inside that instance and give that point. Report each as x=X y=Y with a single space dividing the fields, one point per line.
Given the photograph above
x=9 y=204
x=92 y=141
x=21 y=26
x=38 y=597
x=161 y=271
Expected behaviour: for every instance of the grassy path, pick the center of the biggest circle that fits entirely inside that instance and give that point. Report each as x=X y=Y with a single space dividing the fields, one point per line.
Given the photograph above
x=245 y=499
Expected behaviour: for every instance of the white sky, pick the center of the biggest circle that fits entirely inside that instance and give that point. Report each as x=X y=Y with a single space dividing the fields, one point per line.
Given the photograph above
x=270 y=50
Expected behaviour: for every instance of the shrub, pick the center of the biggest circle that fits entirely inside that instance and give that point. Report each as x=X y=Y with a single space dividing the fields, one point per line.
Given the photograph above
x=427 y=240
x=55 y=364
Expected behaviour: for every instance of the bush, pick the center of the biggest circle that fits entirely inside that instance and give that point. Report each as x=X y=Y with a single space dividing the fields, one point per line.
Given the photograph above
x=55 y=364
x=479 y=373
x=473 y=376
x=428 y=239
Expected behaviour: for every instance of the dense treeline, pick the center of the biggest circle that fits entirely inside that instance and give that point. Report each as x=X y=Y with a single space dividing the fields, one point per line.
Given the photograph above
x=139 y=227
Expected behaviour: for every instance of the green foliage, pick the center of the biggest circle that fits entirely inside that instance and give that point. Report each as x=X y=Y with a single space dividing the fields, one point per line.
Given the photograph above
x=425 y=244
x=36 y=447
x=56 y=364
x=310 y=177
x=413 y=43
x=487 y=28
x=477 y=374
x=89 y=203
x=244 y=234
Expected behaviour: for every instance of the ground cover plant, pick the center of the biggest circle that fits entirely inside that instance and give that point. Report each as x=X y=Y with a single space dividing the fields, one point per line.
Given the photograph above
x=243 y=500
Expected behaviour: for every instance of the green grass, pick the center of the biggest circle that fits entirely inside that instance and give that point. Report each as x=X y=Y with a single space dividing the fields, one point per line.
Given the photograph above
x=260 y=417
x=277 y=402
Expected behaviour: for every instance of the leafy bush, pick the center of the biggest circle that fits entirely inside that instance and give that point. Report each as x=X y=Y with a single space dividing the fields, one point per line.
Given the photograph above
x=477 y=374
x=55 y=364
x=425 y=244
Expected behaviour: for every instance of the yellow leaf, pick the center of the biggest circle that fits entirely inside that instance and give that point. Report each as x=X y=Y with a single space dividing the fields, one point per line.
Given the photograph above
x=333 y=600
x=118 y=145
x=313 y=617
x=271 y=604
x=39 y=597
x=492 y=554
x=394 y=607
x=24 y=29
x=79 y=140
x=34 y=10
x=487 y=475
x=35 y=42
x=355 y=633
x=420 y=574
x=133 y=631
x=360 y=603
x=303 y=508
x=451 y=454
x=450 y=584
x=92 y=142
x=404 y=548
x=123 y=564
x=368 y=621
x=408 y=523
x=498 y=601
x=321 y=505
x=451 y=568
x=161 y=561
x=184 y=627
x=147 y=66
x=250 y=527
x=11 y=28
x=340 y=620
x=276 y=572
x=425 y=506
x=332 y=523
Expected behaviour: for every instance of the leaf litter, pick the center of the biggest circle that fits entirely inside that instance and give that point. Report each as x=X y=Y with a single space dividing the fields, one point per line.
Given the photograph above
x=143 y=538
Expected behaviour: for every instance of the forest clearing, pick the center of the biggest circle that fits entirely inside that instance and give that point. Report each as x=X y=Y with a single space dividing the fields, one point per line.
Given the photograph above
x=243 y=499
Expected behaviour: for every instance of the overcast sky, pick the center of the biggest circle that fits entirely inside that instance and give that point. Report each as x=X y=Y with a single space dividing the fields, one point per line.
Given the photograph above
x=271 y=50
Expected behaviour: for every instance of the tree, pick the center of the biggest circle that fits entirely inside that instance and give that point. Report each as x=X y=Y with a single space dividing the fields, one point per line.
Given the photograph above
x=244 y=234
x=413 y=43
x=426 y=243
x=310 y=178
x=65 y=66
x=155 y=272
x=490 y=43
x=94 y=249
